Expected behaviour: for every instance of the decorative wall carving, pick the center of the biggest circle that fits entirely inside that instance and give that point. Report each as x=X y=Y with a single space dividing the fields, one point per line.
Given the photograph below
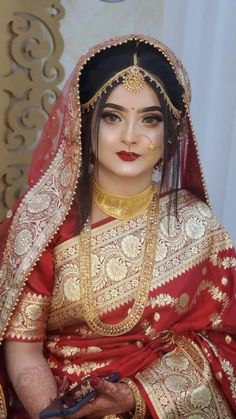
x=31 y=47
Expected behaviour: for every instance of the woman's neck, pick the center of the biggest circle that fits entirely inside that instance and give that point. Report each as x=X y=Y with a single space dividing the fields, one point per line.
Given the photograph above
x=123 y=207
x=123 y=185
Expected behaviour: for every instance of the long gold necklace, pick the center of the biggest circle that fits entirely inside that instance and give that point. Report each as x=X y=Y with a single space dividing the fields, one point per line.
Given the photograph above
x=122 y=207
x=141 y=293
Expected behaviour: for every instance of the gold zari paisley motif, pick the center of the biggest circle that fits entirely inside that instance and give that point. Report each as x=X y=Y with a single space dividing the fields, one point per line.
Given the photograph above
x=184 y=371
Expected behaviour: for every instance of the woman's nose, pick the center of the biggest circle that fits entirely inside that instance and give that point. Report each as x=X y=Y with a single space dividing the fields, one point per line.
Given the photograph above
x=130 y=136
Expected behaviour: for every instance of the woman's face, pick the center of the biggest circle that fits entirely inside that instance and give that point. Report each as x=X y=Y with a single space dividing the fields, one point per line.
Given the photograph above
x=130 y=135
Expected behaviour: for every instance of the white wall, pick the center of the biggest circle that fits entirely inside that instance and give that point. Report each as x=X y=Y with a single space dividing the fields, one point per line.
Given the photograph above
x=203 y=35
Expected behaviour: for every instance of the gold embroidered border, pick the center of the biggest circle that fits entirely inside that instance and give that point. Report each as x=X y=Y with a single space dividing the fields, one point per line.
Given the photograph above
x=229 y=370
x=30 y=318
x=26 y=229
x=181 y=384
x=226 y=365
x=31 y=230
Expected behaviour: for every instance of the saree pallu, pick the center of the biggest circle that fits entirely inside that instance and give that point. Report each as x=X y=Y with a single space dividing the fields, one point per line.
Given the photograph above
x=181 y=353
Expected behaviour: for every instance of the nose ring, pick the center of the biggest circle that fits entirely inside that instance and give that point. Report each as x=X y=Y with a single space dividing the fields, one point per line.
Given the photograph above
x=153 y=146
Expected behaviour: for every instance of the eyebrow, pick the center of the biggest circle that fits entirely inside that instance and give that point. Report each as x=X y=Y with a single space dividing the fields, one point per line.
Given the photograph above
x=123 y=109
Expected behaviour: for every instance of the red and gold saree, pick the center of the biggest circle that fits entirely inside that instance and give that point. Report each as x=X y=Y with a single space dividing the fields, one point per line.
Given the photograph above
x=181 y=353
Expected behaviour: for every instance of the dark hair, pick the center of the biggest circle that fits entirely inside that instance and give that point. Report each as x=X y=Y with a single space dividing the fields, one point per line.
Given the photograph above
x=170 y=170
x=108 y=62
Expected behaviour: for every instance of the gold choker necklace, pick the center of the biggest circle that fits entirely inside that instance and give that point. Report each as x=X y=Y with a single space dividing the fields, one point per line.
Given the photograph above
x=123 y=208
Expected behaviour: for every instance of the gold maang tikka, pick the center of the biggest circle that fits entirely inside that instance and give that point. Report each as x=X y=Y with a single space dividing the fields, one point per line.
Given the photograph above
x=134 y=80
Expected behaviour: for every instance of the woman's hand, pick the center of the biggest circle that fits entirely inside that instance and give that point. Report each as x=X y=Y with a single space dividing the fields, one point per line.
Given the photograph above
x=30 y=375
x=113 y=398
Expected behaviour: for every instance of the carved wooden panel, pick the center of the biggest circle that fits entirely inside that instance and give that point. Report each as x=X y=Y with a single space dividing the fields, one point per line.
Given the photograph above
x=30 y=71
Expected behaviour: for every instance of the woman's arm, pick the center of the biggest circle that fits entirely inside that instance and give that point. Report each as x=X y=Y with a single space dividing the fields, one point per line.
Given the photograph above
x=30 y=375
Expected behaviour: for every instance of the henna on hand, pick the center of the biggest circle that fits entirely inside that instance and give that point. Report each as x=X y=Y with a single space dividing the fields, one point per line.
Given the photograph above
x=36 y=388
x=113 y=398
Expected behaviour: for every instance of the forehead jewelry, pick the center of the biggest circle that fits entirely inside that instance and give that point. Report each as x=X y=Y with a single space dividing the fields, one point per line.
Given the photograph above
x=134 y=80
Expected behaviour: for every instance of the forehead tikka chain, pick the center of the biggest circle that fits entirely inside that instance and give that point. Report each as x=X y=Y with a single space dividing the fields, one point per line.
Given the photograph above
x=141 y=293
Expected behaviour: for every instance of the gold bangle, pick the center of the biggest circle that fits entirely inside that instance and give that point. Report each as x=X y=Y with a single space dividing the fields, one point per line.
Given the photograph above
x=140 y=406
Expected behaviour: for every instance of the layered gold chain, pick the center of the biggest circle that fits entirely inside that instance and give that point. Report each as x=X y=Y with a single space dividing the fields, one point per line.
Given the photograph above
x=141 y=293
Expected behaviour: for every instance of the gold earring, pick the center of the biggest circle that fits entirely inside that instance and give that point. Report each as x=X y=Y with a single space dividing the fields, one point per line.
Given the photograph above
x=159 y=165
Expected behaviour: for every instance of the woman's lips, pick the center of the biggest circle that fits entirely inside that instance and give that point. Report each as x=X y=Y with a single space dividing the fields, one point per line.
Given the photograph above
x=124 y=155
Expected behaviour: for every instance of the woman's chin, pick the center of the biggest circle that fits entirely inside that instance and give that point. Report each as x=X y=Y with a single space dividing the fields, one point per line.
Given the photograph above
x=125 y=173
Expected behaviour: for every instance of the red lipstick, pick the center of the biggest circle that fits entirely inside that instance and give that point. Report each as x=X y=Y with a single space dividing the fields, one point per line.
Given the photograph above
x=126 y=156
